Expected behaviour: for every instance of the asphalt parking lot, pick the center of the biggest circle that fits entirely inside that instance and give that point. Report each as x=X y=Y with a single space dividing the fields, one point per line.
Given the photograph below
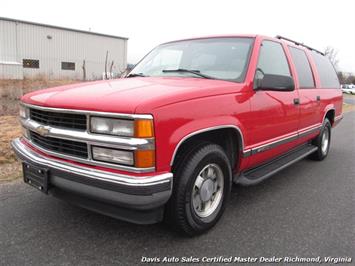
x=306 y=210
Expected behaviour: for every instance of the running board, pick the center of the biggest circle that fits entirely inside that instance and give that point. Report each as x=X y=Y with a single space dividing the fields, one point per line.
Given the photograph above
x=260 y=173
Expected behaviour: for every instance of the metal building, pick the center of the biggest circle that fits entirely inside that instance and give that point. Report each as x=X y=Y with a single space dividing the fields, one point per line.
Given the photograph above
x=29 y=49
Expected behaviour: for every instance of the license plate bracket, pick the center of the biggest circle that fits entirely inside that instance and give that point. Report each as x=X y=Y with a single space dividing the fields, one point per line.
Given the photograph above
x=36 y=176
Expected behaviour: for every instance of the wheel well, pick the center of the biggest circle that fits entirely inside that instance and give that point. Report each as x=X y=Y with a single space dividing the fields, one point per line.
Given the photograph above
x=330 y=115
x=229 y=139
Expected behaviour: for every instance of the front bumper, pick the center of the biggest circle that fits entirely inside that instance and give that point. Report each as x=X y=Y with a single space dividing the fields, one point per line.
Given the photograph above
x=130 y=198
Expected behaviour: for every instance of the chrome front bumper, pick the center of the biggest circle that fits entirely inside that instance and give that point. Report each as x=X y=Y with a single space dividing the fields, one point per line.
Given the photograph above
x=95 y=189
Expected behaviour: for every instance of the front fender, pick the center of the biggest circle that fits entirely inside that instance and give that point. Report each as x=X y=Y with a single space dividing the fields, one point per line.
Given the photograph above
x=192 y=129
x=176 y=123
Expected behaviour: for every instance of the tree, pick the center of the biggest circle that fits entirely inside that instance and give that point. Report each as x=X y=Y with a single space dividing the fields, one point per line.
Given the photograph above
x=111 y=69
x=341 y=77
x=84 y=70
x=350 y=80
x=332 y=55
x=106 y=65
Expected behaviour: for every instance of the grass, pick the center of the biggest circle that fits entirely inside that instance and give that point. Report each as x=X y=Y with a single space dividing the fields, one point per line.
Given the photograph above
x=10 y=172
x=9 y=129
x=9 y=167
x=10 y=92
x=348 y=108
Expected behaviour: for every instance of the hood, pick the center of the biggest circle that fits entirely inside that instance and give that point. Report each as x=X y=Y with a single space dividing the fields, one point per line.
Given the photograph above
x=126 y=95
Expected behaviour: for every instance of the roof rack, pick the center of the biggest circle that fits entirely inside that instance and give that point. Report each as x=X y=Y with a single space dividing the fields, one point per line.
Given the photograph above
x=298 y=43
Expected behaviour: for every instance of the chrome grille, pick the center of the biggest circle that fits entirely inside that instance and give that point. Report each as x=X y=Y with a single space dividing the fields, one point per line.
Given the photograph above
x=64 y=120
x=68 y=147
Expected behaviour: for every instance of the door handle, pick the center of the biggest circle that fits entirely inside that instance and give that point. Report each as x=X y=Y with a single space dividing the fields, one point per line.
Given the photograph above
x=318 y=98
x=296 y=101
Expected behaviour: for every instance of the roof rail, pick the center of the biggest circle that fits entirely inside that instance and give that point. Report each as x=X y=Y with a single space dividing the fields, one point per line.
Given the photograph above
x=298 y=43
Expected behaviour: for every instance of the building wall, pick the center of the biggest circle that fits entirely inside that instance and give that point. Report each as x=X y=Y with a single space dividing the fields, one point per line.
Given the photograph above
x=10 y=67
x=52 y=46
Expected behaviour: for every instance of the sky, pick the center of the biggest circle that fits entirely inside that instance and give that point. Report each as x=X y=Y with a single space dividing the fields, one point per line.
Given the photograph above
x=318 y=23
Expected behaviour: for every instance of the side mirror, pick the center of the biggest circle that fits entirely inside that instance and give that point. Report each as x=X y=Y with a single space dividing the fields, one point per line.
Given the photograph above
x=273 y=82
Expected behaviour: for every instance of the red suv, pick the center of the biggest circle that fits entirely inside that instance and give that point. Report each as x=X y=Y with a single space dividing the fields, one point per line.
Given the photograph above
x=193 y=116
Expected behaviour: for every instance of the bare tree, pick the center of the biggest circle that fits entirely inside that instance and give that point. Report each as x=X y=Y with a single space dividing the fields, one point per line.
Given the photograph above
x=111 y=69
x=84 y=70
x=332 y=55
x=341 y=77
x=106 y=65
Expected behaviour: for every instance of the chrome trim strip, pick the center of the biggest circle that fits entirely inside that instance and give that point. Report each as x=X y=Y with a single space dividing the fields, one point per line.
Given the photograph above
x=88 y=172
x=309 y=131
x=246 y=153
x=273 y=144
x=285 y=140
x=206 y=130
x=126 y=143
x=93 y=113
x=90 y=161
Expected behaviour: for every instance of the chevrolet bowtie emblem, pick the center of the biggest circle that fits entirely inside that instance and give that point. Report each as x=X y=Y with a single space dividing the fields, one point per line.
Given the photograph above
x=43 y=130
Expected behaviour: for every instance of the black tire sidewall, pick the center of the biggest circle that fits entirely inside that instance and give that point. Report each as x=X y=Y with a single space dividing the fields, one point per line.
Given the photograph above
x=319 y=155
x=187 y=173
x=191 y=215
x=327 y=126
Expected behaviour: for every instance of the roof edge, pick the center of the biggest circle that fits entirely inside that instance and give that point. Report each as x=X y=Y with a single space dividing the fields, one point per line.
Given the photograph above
x=213 y=37
x=62 y=28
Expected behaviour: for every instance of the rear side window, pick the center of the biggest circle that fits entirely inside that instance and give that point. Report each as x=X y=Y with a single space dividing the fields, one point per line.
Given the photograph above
x=303 y=69
x=328 y=77
x=272 y=59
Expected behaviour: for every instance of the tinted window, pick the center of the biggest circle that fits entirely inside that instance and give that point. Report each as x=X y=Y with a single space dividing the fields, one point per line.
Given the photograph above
x=328 y=77
x=303 y=68
x=272 y=59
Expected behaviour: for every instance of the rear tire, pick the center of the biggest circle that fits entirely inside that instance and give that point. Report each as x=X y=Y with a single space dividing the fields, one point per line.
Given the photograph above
x=322 y=142
x=202 y=185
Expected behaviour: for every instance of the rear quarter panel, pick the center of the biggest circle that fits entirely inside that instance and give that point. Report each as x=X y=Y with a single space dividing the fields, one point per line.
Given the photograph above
x=331 y=99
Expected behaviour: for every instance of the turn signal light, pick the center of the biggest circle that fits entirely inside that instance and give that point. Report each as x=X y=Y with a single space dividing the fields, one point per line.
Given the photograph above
x=144 y=158
x=144 y=128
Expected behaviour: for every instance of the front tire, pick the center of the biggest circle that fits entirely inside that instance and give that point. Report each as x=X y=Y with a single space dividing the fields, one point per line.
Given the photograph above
x=322 y=142
x=202 y=185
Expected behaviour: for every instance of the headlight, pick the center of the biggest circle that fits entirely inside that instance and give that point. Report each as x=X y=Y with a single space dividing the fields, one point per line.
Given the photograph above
x=113 y=156
x=140 y=128
x=23 y=112
x=112 y=126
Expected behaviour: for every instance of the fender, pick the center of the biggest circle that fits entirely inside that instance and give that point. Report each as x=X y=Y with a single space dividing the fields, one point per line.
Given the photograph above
x=328 y=108
x=192 y=129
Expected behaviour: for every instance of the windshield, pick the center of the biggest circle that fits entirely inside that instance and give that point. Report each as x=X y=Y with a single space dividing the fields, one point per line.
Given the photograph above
x=218 y=58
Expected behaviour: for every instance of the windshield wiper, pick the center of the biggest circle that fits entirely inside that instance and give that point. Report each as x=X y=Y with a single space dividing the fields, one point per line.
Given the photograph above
x=132 y=75
x=196 y=72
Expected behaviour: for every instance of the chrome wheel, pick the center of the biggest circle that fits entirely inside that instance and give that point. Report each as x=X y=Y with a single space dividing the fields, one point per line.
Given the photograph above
x=207 y=192
x=325 y=141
